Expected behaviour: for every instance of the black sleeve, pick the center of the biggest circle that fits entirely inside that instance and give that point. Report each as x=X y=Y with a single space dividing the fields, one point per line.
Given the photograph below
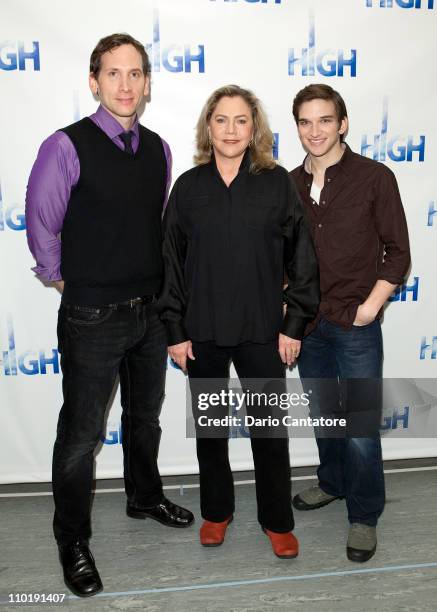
x=302 y=295
x=172 y=301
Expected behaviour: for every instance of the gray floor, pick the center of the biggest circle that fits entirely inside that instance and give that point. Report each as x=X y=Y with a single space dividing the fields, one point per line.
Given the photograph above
x=139 y=560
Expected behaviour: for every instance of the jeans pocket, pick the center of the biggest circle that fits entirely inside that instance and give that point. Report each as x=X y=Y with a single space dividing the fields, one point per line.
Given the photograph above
x=364 y=326
x=88 y=315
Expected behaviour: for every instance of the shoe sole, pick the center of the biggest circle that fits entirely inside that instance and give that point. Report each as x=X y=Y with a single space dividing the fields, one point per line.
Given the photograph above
x=136 y=514
x=353 y=554
x=306 y=506
x=280 y=556
x=214 y=544
x=79 y=594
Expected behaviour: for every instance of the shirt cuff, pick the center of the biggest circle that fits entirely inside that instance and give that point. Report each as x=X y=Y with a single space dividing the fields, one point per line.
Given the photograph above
x=175 y=333
x=293 y=326
x=48 y=274
x=391 y=278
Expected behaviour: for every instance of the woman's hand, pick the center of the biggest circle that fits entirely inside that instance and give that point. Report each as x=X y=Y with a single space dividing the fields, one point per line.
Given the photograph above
x=179 y=353
x=289 y=349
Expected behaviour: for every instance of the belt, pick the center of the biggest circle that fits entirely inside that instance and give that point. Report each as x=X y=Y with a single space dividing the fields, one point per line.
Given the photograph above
x=145 y=299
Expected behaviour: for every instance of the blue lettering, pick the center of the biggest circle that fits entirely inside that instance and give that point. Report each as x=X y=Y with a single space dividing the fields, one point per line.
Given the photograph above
x=8 y=61
x=432 y=210
x=406 y=4
x=199 y=58
x=400 y=293
x=416 y=148
x=275 y=145
x=367 y=147
x=10 y=356
x=16 y=222
x=424 y=348
x=351 y=62
x=403 y=418
x=306 y=68
x=28 y=55
x=175 y=63
x=173 y=58
x=399 y=154
x=45 y=361
x=331 y=64
x=113 y=436
x=386 y=423
x=33 y=364
x=17 y=59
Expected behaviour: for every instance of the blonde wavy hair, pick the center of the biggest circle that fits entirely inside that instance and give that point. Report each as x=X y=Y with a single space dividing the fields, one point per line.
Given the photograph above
x=261 y=152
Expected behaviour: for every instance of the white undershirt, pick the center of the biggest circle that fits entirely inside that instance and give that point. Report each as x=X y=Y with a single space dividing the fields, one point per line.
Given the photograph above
x=315 y=192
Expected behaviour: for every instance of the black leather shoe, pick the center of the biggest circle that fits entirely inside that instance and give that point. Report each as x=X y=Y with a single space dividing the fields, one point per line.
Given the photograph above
x=166 y=513
x=80 y=572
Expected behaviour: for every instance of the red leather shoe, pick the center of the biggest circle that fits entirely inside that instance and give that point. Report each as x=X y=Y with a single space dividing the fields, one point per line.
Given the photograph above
x=213 y=534
x=285 y=545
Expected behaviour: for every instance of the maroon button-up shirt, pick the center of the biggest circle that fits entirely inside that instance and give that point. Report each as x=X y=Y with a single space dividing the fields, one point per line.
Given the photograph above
x=359 y=231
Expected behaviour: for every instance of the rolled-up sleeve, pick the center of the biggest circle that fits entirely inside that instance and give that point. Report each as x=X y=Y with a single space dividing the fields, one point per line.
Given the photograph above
x=54 y=173
x=392 y=229
x=173 y=298
x=302 y=295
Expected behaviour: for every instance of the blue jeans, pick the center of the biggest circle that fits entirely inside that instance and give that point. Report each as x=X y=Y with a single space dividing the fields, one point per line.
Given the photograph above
x=97 y=345
x=350 y=467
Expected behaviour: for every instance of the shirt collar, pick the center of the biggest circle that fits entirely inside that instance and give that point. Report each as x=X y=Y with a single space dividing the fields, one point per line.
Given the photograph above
x=244 y=165
x=331 y=171
x=108 y=124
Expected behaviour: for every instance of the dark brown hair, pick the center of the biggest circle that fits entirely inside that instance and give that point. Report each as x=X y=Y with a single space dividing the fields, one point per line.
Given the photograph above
x=319 y=91
x=112 y=42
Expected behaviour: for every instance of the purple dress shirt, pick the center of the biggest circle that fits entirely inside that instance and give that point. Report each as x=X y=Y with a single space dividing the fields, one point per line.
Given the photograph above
x=54 y=174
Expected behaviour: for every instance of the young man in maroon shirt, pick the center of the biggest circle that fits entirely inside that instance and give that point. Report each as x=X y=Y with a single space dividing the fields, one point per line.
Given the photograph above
x=361 y=239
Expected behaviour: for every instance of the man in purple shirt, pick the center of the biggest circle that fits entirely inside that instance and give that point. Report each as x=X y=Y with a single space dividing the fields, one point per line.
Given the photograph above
x=93 y=211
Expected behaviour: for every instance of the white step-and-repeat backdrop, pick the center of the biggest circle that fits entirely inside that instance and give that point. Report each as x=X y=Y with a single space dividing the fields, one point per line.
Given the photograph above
x=377 y=53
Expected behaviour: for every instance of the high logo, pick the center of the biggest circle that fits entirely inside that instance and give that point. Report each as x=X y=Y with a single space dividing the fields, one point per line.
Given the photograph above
x=275 y=145
x=432 y=211
x=14 y=56
x=400 y=293
x=405 y=4
x=12 y=217
x=113 y=434
x=395 y=419
x=428 y=350
x=173 y=58
x=326 y=62
x=396 y=148
x=29 y=362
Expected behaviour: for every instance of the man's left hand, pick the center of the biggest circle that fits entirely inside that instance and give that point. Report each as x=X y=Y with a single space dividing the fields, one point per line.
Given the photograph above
x=365 y=315
x=289 y=349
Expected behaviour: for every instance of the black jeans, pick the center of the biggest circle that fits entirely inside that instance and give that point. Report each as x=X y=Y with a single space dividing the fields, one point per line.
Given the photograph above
x=270 y=455
x=96 y=345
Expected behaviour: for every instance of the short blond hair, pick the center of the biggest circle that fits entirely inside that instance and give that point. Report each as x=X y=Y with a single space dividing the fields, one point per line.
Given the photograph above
x=261 y=147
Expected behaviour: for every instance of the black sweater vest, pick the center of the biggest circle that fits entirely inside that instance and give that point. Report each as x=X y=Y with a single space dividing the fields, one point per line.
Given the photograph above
x=111 y=235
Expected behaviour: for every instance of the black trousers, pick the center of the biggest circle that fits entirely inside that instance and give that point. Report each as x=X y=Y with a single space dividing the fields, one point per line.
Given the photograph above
x=97 y=345
x=270 y=454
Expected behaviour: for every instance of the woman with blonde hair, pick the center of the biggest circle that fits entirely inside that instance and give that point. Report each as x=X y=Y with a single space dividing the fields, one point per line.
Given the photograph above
x=233 y=224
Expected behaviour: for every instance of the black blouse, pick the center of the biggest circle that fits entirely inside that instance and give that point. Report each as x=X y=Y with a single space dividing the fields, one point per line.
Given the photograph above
x=225 y=251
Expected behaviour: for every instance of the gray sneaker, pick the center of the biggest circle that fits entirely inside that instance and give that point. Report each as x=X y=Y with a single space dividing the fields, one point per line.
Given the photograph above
x=312 y=498
x=361 y=542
